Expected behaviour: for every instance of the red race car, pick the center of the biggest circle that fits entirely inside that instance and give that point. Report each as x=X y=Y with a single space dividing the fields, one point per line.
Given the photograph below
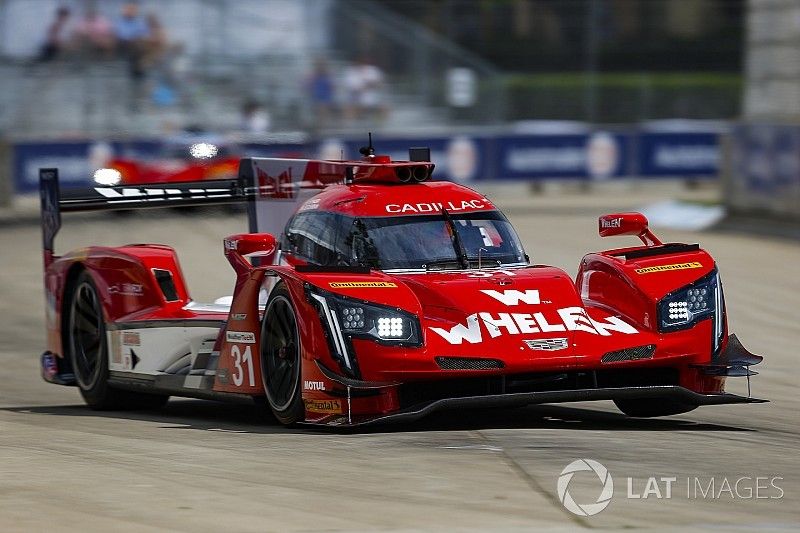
x=189 y=158
x=366 y=292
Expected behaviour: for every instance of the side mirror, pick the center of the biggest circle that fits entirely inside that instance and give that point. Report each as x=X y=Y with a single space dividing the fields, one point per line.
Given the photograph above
x=627 y=224
x=237 y=247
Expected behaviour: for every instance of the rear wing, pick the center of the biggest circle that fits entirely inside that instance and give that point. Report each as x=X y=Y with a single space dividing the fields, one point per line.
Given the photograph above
x=102 y=198
x=273 y=189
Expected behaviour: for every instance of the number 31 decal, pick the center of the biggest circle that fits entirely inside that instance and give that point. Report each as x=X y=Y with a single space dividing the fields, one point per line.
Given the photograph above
x=239 y=360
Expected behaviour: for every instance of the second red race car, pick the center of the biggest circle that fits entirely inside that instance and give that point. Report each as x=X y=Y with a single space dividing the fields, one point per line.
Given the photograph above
x=366 y=292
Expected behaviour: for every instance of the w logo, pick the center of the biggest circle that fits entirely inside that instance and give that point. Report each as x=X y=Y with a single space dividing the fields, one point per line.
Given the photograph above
x=514 y=297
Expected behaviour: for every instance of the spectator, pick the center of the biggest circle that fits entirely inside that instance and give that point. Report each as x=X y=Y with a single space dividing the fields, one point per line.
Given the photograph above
x=94 y=34
x=321 y=92
x=132 y=32
x=255 y=119
x=364 y=83
x=157 y=59
x=54 y=41
x=156 y=43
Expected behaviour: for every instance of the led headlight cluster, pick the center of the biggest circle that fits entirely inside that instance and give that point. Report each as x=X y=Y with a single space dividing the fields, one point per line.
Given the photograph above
x=390 y=328
x=353 y=317
x=347 y=317
x=678 y=310
x=684 y=307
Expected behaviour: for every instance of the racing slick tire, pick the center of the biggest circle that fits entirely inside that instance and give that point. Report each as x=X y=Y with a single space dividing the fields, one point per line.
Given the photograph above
x=86 y=347
x=280 y=358
x=652 y=407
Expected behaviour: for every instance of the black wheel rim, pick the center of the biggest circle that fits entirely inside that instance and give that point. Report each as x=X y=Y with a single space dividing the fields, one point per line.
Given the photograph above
x=281 y=354
x=86 y=335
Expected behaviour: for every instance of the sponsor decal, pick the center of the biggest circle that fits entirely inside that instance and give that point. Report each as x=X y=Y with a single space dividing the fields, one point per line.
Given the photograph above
x=324 y=406
x=462 y=158
x=602 y=155
x=569 y=319
x=548 y=345
x=239 y=316
x=313 y=385
x=49 y=366
x=491 y=273
x=126 y=289
x=611 y=222
x=280 y=187
x=242 y=337
x=131 y=338
x=231 y=244
x=362 y=285
x=122 y=195
x=116 y=349
x=667 y=268
x=514 y=297
x=436 y=207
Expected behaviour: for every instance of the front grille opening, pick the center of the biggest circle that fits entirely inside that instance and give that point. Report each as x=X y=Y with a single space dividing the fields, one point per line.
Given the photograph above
x=468 y=363
x=630 y=354
x=422 y=392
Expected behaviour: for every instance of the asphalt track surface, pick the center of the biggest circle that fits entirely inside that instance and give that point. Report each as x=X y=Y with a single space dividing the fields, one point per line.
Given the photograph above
x=205 y=466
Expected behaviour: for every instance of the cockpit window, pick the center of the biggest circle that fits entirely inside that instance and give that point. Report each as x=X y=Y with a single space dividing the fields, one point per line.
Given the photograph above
x=433 y=242
x=436 y=242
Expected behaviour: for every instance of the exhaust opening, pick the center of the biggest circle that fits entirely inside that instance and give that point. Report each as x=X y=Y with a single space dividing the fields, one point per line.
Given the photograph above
x=403 y=174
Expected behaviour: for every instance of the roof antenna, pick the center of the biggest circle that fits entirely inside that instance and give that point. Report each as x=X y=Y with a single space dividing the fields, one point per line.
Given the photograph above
x=367 y=151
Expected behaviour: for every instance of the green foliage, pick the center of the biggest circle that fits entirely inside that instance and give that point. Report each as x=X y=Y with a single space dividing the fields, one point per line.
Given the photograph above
x=623 y=97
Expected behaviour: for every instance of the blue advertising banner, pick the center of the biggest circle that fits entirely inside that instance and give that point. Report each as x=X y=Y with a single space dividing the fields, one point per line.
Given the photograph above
x=765 y=173
x=678 y=154
x=598 y=155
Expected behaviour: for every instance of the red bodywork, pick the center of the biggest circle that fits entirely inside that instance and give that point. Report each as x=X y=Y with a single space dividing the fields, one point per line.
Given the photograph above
x=505 y=315
x=135 y=172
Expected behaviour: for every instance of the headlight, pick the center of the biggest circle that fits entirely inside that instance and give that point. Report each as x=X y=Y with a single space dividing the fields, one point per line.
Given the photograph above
x=107 y=176
x=685 y=307
x=356 y=318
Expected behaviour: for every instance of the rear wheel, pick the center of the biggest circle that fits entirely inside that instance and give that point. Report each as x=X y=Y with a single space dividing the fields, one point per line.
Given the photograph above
x=87 y=349
x=652 y=407
x=280 y=358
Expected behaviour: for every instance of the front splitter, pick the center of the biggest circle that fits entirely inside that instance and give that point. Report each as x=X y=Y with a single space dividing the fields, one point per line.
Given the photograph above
x=672 y=392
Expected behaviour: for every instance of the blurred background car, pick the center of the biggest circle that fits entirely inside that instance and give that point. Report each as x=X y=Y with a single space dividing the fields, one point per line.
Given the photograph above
x=188 y=157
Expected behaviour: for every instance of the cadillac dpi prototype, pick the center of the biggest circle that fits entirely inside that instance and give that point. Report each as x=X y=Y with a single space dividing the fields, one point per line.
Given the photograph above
x=367 y=292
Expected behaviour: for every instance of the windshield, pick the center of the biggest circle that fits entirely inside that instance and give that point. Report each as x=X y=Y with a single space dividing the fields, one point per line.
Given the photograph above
x=441 y=241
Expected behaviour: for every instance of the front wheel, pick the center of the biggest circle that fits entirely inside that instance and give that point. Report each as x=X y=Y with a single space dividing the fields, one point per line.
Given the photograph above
x=652 y=407
x=87 y=349
x=280 y=358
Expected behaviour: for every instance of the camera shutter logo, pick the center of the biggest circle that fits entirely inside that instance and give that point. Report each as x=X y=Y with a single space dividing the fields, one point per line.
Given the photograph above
x=586 y=509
